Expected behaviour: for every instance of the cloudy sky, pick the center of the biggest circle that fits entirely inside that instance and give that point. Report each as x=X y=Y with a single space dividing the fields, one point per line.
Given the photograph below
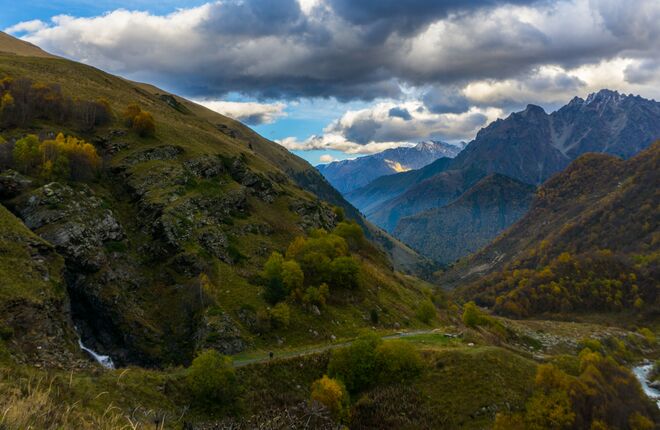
x=331 y=79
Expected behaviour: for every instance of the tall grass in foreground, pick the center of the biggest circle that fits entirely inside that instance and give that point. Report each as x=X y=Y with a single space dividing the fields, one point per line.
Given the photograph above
x=33 y=405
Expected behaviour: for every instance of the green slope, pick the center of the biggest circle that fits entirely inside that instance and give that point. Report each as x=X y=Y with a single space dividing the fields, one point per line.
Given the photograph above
x=204 y=196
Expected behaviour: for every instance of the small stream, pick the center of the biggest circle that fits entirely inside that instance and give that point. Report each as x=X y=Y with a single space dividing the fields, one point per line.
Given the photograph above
x=642 y=373
x=103 y=360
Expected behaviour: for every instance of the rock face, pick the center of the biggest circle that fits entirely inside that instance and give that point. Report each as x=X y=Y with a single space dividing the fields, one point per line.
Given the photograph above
x=75 y=221
x=349 y=175
x=464 y=226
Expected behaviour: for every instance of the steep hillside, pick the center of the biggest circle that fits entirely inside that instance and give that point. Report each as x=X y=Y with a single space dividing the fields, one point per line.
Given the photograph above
x=589 y=242
x=35 y=324
x=348 y=175
x=165 y=230
x=470 y=222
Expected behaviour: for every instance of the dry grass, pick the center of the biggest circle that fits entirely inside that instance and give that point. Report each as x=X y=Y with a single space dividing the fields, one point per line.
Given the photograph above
x=34 y=405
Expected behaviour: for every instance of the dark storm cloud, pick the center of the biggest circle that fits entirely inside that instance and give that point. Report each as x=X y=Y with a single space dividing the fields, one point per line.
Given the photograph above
x=355 y=49
x=256 y=18
x=398 y=112
x=405 y=16
x=446 y=100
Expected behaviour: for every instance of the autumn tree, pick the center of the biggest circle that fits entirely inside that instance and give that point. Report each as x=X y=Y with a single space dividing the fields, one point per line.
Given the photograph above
x=144 y=124
x=141 y=122
x=332 y=394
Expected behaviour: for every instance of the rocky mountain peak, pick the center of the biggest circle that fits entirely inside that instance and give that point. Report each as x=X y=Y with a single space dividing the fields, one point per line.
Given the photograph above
x=605 y=96
x=533 y=110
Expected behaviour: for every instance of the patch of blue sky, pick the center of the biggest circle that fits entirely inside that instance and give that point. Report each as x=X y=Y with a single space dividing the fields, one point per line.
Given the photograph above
x=15 y=11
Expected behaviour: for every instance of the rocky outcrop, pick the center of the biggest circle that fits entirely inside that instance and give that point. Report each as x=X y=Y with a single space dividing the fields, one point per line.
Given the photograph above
x=167 y=152
x=220 y=332
x=314 y=215
x=12 y=184
x=75 y=221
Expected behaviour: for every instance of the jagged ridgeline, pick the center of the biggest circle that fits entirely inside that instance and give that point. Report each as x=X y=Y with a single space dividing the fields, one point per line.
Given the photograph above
x=590 y=243
x=164 y=213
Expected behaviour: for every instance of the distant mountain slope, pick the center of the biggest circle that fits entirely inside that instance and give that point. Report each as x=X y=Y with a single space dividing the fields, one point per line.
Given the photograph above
x=387 y=187
x=348 y=175
x=590 y=241
x=437 y=191
x=529 y=146
x=470 y=222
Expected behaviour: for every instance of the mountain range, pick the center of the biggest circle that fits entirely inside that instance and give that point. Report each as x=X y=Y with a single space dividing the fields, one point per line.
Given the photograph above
x=348 y=175
x=528 y=146
x=589 y=242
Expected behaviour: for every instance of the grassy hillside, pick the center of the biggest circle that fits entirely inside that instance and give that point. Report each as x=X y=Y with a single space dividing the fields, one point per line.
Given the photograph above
x=165 y=244
x=589 y=243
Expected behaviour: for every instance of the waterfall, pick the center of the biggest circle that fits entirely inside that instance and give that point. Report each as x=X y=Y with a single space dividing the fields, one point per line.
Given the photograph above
x=103 y=360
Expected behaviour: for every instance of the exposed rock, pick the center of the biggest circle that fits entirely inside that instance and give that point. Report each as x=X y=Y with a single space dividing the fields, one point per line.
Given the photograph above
x=215 y=241
x=76 y=222
x=314 y=215
x=205 y=166
x=167 y=152
x=12 y=184
x=256 y=183
x=220 y=332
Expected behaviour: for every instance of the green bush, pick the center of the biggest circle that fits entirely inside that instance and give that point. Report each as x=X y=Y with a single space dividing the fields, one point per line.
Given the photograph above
x=397 y=362
x=344 y=273
x=369 y=361
x=280 y=315
x=211 y=380
x=426 y=311
x=357 y=364
x=472 y=316
x=273 y=277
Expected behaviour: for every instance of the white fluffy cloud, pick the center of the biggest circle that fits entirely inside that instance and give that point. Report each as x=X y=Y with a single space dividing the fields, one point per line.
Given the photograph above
x=388 y=125
x=251 y=113
x=27 y=26
x=326 y=158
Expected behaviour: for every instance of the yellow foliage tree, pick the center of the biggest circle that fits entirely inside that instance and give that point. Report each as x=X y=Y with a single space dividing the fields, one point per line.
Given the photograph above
x=332 y=394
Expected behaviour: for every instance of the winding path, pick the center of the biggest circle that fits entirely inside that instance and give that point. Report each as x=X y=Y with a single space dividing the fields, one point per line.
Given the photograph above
x=318 y=349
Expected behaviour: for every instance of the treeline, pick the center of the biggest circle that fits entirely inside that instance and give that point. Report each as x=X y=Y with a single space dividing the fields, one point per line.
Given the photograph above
x=313 y=267
x=23 y=100
x=598 y=281
x=62 y=158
